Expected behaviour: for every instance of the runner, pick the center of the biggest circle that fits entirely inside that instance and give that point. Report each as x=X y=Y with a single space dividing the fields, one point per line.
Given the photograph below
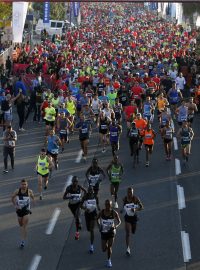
x=73 y=193
x=115 y=171
x=174 y=96
x=134 y=137
x=84 y=132
x=96 y=105
x=117 y=108
x=107 y=226
x=103 y=124
x=90 y=203
x=9 y=140
x=167 y=136
x=50 y=116
x=21 y=201
x=141 y=125
x=131 y=205
x=148 y=110
x=43 y=167
x=186 y=134
x=192 y=109
x=95 y=175
x=161 y=104
x=149 y=135
x=63 y=124
x=53 y=142
x=182 y=113
x=115 y=131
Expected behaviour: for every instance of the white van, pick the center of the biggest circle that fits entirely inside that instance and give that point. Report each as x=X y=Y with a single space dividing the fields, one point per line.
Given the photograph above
x=53 y=27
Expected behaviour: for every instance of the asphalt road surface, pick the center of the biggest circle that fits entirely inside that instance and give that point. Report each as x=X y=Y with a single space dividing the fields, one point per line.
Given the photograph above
x=157 y=244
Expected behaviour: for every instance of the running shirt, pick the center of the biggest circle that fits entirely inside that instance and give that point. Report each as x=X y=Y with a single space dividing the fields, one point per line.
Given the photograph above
x=50 y=114
x=168 y=133
x=74 y=196
x=133 y=134
x=114 y=133
x=23 y=200
x=182 y=114
x=147 y=109
x=95 y=106
x=185 y=136
x=84 y=129
x=107 y=222
x=63 y=128
x=129 y=205
x=173 y=97
x=52 y=145
x=103 y=125
x=148 y=137
x=115 y=173
x=42 y=166
x=90 y=204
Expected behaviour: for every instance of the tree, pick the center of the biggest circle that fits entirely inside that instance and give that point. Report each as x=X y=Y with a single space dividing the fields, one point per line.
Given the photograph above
x=57 y=10
x=5 y=10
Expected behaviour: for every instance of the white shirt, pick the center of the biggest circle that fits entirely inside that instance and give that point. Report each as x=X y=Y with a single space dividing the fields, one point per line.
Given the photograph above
x=180 y=81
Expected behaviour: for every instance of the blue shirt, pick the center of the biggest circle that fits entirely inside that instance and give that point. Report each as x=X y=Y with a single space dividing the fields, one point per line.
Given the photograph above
x=19 y=85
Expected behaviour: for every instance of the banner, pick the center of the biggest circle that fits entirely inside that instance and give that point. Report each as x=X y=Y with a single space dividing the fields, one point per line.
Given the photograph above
x=76 y=8
x=46 y=12
x=18 y=20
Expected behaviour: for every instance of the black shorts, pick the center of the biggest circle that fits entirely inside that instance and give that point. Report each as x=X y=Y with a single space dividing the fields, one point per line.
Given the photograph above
x=21 y=213
x=63 y=136
x=150 y=146
x=74 y=208
x=115 y=185
x=103 y=131
x=50 y=123
x=90 y=217
x=83 y=139
x=132 y=220
x=167 y=140
x=43 y=175
x=107 y=236
x=52 y=155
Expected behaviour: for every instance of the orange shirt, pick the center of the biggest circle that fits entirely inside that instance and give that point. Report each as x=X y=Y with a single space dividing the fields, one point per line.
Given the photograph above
x=140 y=125
x=149 y=137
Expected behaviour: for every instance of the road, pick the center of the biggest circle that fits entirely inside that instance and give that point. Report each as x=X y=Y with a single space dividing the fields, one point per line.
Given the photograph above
x=157 y=244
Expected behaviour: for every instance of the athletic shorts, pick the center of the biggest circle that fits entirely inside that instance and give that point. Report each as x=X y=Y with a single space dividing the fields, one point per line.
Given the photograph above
x=132 y=220
x=74 y=207
x=21 y=213
x=115 y=184
x=63 y=136
x=150 y=146
x=49 y=123
x=167 y=140
x=185 y=145
x=43 y=175
x=51 y=154
x=107 y=236
x=90 y=217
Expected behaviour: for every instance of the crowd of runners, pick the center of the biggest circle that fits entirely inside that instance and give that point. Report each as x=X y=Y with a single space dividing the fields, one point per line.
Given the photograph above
x=123 y=70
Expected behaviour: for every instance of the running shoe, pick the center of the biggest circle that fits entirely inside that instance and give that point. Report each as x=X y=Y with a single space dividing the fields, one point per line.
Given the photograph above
x=116 y=205
x=128 y=251
x=41 y=197
x=22 y=244
x=104 y=150
x=45 y=187
x=147 y=164
x=5 y=171
x=91 y=250
x=109 y=264
x=77 y=236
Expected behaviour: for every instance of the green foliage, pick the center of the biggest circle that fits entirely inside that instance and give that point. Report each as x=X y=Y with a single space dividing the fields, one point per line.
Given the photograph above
x=5 y=10
x=190 y=8
x=57 y=10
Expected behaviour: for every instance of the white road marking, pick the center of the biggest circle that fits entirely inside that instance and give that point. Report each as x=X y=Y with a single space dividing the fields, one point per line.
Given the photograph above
x=177 y=166
x=175 y=143
x=68 y=182
x=53 y=220
x=78 y=159
x=181 y=197
x=186 y=246
x=35 y=262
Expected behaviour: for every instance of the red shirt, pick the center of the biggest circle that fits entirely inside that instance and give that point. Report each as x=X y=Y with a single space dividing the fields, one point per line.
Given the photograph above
x=136 y=92
x=130 y=110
